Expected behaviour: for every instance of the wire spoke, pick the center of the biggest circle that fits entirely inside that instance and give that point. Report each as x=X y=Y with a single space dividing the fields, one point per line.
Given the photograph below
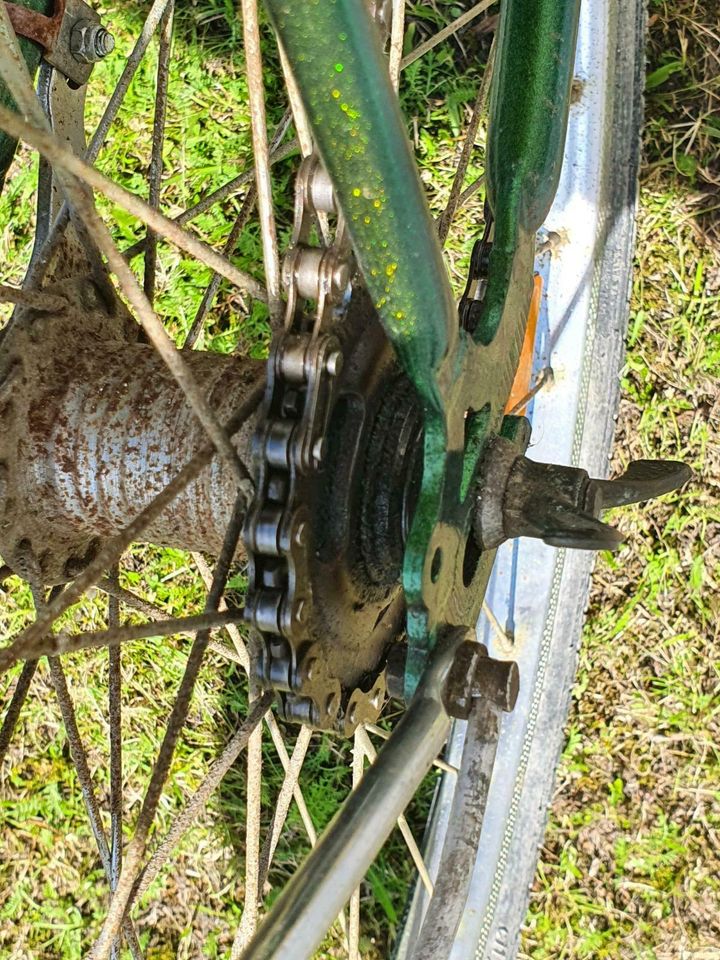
x=212 y=288
x=15 y=706
x=448 y=214
x=35 y=299
x=271 y=722
x=124 y=890
x=369 y=750
x=63 y=643
x=15 y=74
x=151 y=24
x=115 y=724
x=77 y=751
x=223 y=192
x=196 y=804
x=64 y=160
x=282 y=803
x=79 y=759
x=298 y=111
x=358 y=769
x=158 y=141
x=256 y=98
x=450 y=30
x=274 y=729
x=155 y=613
x=251 y=907
x=545 y=377
x=112 y=108
x=385 y=735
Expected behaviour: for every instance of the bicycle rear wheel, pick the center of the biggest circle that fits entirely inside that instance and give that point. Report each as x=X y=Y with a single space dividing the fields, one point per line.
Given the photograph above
x=581 y=337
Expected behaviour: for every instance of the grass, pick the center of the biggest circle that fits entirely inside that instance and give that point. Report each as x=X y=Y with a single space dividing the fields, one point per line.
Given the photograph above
x=630 y=864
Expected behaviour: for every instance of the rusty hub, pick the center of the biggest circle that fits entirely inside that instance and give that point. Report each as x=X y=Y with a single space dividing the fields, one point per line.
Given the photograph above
x=94 y=426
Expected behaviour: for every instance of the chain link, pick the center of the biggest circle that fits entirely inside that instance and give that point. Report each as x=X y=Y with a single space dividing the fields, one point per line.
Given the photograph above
x=289 y=445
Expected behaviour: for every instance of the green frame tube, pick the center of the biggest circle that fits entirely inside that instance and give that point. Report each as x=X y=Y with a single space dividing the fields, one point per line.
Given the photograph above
x=462 y=379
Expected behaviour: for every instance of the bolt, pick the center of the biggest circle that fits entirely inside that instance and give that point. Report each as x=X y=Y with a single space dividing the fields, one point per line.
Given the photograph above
x=90 y=42
x=473 y=674
x=301 y=533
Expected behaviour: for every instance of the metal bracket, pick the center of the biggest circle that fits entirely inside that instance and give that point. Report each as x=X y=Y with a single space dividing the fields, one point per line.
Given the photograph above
x=58 y=36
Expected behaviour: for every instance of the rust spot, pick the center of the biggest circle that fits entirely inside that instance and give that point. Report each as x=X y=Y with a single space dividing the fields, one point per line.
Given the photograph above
x=35 y=26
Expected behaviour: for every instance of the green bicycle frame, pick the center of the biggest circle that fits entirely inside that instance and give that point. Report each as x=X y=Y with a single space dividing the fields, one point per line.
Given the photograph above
x=463 y=379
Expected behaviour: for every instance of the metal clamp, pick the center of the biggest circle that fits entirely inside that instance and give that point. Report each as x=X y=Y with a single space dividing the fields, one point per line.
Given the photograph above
x=73 y=38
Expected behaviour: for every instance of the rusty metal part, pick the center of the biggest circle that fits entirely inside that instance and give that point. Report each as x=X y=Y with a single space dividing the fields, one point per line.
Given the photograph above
x=36 y=26
x=66 y=37
x=93 y=427
x=518 y=497
x=473 y=675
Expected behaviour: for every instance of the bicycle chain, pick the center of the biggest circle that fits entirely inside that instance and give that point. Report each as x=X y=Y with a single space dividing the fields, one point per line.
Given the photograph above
x=305 y=360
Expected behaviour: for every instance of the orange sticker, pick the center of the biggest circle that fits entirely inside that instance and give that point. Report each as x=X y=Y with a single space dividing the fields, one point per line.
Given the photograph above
x=523 y=375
